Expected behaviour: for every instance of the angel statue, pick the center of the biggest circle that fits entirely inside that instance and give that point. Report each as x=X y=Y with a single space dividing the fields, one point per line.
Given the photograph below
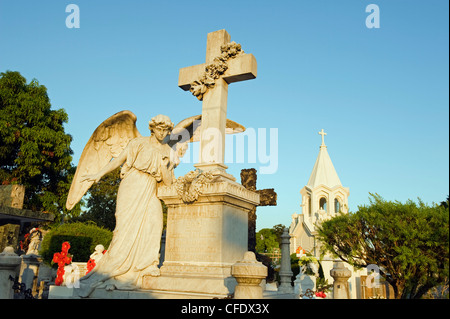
x=147 y=162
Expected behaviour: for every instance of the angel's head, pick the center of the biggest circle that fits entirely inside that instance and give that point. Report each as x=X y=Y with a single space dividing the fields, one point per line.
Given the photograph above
x=160 y=126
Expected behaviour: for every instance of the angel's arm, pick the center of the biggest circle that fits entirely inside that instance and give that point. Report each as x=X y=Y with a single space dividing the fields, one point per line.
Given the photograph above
x=167 y=171
x=108 y=168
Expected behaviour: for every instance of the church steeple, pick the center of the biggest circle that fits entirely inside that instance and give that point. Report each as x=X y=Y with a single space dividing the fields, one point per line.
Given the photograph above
x=323 y=196
x=323 y=172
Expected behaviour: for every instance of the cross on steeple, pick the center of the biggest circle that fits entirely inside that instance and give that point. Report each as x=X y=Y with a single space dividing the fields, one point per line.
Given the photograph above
x=323 y=137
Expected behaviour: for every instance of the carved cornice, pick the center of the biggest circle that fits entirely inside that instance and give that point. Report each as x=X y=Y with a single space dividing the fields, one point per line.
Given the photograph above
x=210 y=192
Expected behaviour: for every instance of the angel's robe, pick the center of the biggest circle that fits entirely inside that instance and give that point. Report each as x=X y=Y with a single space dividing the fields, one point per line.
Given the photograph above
x=134 y=249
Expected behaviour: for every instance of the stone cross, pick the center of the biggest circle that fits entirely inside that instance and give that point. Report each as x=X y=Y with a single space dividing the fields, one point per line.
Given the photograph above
x=323 y=137
x=214 y=109
x=267 y=197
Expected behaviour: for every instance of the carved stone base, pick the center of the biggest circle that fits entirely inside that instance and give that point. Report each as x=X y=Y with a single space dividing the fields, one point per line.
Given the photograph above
x=207 y=278
x=204 y=239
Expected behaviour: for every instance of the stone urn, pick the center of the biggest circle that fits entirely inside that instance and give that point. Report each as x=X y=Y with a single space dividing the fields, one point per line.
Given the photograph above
x=248 y=273
x=340 y=274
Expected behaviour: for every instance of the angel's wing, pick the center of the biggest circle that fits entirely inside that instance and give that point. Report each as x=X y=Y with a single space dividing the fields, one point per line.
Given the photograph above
x=107 y=142
x=188 y=131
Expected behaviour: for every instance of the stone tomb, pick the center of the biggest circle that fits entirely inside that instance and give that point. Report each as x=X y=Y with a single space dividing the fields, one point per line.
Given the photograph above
x=204 y=239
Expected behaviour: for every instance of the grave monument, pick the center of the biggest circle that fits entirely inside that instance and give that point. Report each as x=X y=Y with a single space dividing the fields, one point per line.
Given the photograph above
x=207 y=223
x=207 y=236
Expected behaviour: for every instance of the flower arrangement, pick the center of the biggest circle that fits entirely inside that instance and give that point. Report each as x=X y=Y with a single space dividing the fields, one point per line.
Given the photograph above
x=321 y=294
x=26 y=241
x=309 y=264
x=322 y=285
x=90 y=265
x=300 y=251
x=63 y=258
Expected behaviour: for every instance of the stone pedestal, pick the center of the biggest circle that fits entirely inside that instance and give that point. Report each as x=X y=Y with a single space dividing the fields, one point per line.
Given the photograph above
x=249 y=273
x=29 y=270
x=204 y=238
x=9 y=266
x=340 y=274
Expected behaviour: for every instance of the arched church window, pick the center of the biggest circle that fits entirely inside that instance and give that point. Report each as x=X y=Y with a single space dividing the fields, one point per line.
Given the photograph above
x=337 y=206
x=323 y=204
x=309 y=206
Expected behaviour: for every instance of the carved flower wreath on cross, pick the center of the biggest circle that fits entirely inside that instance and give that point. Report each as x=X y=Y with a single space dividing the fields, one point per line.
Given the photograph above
x=190 y=185
x=214 y=70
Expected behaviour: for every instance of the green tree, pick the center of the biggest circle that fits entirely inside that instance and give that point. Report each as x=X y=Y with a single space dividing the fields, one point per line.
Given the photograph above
x=266 y=240
x=101 y=201
x=409 y=242
x=34 y=149
x=445 y=203
x=278 y=231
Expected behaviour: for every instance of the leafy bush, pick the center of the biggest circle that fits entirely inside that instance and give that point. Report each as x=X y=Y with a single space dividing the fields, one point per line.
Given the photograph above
x=83 y=237
x=409 y=242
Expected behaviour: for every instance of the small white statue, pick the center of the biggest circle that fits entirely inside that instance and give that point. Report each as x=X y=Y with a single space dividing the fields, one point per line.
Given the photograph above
x=71 y=276
x=98 y=253
x=35 y=242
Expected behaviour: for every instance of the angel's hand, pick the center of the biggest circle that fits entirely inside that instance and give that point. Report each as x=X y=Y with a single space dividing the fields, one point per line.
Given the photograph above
x=91 y=178
x=168 y=163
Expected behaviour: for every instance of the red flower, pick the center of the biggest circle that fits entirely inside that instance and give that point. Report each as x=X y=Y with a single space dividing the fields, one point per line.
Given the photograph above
x=56 y=257
x=65 y=247
x=320 y=294
x=58 y=281
x=90 y=265
x=61 y=259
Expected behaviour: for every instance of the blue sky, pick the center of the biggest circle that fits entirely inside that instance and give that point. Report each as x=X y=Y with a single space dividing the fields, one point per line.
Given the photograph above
x=380 y=94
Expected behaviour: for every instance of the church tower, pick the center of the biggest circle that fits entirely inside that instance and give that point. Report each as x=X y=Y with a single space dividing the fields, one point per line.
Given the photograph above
x=322 y=198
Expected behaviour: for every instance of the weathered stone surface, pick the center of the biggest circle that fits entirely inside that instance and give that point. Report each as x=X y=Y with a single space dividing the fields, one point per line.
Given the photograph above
x=341 y=274
x=213 y=91
x=249 y=273
x=9 y=266
x=204 y=239
x=12 y=195
x=9 y=235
